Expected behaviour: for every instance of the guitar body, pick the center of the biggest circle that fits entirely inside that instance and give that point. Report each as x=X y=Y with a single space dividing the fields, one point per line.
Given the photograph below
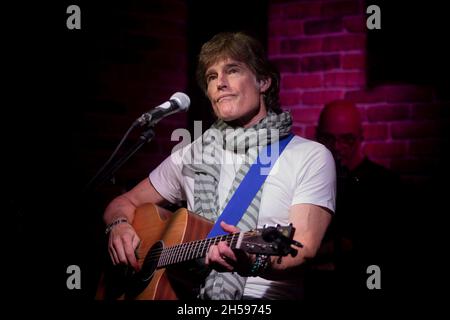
x=156 y=226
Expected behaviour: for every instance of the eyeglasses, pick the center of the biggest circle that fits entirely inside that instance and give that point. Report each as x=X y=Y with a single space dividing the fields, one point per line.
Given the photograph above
x=347 y=139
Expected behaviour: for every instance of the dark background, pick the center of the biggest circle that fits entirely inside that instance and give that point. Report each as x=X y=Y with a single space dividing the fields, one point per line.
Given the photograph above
x=53 y=80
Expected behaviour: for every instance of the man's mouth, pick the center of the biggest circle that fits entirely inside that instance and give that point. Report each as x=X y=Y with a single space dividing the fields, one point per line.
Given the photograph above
x=225 y=97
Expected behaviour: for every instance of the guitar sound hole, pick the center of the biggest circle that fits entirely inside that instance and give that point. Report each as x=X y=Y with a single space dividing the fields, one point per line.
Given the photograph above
x=141 y=279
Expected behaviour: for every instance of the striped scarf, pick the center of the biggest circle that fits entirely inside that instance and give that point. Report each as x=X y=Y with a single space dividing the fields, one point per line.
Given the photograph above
x=207 y=154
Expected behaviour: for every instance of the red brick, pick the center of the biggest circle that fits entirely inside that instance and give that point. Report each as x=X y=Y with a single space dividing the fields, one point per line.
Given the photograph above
x=417 y=129
x=362 y=112
x=375 y=131
x=392 y=93
x=387 y=112
x=344 y=42
x=310 y=132
x=275 y=28
x=298 y=130
x=300 y=46
x=287 y=64
x=297 y=10
x=344 y=79
x=364 y=96
x=354 y=61
x=355 y=24
x=274 y=46
x=286 y=28
x=306 y=131
x=320 y=63
x=299 y=81
x=385 y=149
x=321 y=97
x=322 y=26
x=306 y=114
x=340 y=8
x=290 y=98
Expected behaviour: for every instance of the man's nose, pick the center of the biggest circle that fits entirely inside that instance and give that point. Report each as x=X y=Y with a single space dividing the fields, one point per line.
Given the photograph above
x=222 y=81
x=340 y=147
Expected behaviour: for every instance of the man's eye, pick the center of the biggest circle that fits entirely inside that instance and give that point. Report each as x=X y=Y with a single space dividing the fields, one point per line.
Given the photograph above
x=210 y=77
x=233 y=70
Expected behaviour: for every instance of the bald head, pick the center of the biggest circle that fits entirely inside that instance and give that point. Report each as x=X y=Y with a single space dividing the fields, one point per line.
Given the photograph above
x=340 y=116
x=340 y=130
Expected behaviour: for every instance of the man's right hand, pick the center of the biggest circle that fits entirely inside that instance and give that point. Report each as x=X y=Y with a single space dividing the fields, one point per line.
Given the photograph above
x=123 y=241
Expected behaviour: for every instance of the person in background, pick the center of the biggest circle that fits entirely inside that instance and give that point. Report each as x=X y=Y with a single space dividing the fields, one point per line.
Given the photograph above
x=366 y=208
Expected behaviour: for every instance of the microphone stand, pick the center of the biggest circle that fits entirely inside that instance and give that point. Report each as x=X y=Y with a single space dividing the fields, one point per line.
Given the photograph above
x=109 y=171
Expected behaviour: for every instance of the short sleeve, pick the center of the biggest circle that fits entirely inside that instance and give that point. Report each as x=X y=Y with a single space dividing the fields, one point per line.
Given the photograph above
x=316 y=182
x=167 y=179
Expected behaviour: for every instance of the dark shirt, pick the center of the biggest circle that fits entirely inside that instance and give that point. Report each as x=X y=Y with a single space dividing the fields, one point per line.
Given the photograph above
x=361 y=231
x=365 y=206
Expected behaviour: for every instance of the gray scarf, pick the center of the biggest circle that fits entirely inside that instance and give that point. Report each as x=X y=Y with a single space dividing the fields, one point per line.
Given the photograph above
x=207 y=154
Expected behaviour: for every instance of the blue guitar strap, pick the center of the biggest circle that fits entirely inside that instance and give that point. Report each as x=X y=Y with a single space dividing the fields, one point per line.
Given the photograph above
x=249 y=186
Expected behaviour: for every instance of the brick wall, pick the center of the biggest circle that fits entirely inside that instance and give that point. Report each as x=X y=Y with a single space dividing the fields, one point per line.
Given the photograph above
x=136 y=57
x=320 y=49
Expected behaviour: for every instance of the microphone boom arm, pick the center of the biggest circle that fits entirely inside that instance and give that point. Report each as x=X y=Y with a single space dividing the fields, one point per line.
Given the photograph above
x=109 y=172
x=179 y=101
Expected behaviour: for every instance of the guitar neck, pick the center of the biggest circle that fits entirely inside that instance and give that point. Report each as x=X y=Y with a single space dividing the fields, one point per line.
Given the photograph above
x=195 y=249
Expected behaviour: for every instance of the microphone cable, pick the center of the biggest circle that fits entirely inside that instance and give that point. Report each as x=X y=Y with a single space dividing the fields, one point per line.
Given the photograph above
x=100 y=171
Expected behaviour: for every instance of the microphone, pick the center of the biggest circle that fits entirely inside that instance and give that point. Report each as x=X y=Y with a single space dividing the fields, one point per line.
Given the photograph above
x=179 y=101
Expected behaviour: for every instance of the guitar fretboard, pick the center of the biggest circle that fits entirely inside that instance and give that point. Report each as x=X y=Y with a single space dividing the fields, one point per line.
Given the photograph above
x=192 y=250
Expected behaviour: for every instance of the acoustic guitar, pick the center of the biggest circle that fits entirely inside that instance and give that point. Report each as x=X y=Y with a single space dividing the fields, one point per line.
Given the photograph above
x=171 y=243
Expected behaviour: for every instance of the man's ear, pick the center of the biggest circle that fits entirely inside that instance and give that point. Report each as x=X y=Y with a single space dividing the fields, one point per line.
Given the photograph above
x=264 y=84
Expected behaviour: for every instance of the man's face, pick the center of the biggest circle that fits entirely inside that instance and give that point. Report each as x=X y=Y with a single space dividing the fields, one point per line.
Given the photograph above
x=341 y=134
x=235 y=93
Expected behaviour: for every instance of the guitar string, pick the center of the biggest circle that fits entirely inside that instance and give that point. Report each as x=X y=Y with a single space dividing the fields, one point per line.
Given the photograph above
x=219 y=238
x=199 y=246
x=202 y=244
x=174 y=257
x=168 y=261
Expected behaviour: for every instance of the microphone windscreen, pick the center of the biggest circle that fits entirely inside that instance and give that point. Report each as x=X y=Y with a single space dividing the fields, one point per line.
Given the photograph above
x=182 y=99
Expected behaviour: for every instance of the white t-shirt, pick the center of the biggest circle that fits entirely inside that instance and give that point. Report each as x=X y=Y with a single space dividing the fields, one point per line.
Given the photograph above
x=304 y=173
